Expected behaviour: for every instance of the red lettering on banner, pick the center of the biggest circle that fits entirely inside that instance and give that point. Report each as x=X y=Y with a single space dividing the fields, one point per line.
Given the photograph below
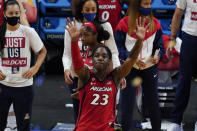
x=14 y=62
x=194 y=16
x=14 y=42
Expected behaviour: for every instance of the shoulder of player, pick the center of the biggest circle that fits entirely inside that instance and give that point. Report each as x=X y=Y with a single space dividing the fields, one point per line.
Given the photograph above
x=157 y=23
x=106 y=25
x=27 y=28
x=123 y=24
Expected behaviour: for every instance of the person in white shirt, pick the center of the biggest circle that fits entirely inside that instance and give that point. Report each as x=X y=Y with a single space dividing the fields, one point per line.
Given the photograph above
x=188 y=55
x=16 y=75
x=87 y=10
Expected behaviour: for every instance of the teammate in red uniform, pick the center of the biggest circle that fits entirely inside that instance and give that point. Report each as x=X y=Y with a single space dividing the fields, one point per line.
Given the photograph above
x=109 y=10
x=96 y=32
x=97 y=88
x=87 y=11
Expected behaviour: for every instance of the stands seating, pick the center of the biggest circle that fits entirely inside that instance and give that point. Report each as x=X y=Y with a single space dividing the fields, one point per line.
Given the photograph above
x=55 y=7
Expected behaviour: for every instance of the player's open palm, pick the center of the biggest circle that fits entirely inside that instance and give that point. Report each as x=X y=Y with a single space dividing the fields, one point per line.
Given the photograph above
x=141 y=28
x=72 y=29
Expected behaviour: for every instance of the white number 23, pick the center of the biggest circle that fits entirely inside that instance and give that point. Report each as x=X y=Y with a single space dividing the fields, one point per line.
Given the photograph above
x=97 y=96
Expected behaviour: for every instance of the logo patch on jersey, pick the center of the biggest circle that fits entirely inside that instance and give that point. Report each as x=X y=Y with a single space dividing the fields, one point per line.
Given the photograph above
x=109 y=83
x=93 y=79
x=194 y=16
x=92 y=83
x=14 y=62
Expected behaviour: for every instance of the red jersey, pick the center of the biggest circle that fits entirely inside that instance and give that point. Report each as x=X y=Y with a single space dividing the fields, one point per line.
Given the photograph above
x=97 y=105
x=88 y=60
x=109 y=10
x=1 y=12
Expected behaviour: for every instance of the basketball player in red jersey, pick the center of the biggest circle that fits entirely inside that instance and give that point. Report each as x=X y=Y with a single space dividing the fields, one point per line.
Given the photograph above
x=109 y=10
x=97 y=88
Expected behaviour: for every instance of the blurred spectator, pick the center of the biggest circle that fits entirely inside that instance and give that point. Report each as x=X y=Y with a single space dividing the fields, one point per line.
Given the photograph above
x=188 y=55
x=146 y=65
x=109 y=10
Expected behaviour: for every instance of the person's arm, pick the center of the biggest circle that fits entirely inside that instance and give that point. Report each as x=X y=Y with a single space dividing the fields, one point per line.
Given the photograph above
x=158 y=47
x=81 y=70
x=125 y=68
x=73 y=5
x=34 y=69
x=120 y=39
x=110 y=43
x=67 y=59
x=39 y=49
x=23 y=18
x=176 y=22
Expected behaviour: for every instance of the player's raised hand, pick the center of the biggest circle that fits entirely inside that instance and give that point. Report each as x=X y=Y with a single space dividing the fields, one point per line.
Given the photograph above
x=72 y=29
x=141 y=28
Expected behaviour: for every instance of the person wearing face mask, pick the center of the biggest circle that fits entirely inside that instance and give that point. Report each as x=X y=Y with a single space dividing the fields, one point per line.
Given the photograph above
x=109 y=10
x=87 y=10
x=23 y=19
x=146 y=65
x=16 y=75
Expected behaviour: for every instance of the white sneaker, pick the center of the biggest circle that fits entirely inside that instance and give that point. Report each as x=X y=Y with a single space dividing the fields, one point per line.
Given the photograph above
x=175 y=127
x=195 y=126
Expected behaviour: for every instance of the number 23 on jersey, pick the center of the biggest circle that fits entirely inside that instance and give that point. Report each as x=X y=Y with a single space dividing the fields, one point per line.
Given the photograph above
x=100 y=100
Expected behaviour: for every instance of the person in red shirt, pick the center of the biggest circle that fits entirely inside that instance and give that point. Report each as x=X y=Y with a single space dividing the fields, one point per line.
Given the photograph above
x=87 y=11
x=97 y=88
x=109 y=10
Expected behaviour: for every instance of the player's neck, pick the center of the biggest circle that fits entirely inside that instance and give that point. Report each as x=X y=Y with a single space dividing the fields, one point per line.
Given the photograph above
x=100 y=75
x=93 y=46
x=12 y=28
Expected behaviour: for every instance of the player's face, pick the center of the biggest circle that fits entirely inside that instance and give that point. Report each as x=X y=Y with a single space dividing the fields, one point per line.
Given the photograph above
x=89 y=7
x=101 y=59
x=146 y=3
x=12 y=11
x=88 y=38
